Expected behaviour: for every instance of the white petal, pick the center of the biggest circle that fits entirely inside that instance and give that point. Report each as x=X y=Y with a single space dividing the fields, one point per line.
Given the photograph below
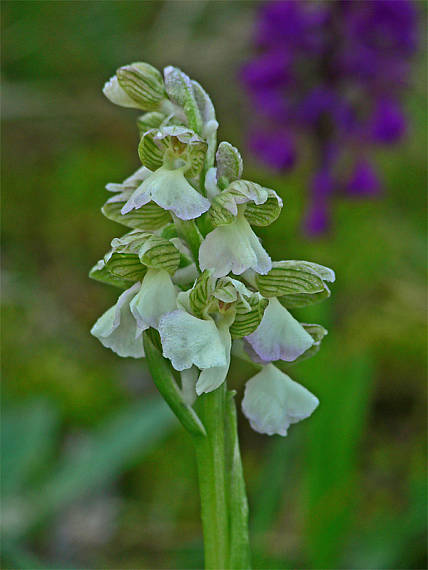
x=114 y=92
x=171 y=191
x=212 y=378
x=156 y=297
x=187 y=340
x=117 y=328
x=233 y=248
x=139 y=197
x=279 y=336
x=272 y=401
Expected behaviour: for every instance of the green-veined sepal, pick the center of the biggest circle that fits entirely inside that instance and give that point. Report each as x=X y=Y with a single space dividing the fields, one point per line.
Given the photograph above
x=262 y=205
x=266 y=213
x=229 y=162
x=248 y=319
x=290 y=278
x=200 y=295
x=160 y=253
x=151 y=151
x=126 y=266
x=149 y=217
x=151 y=120
x=180 y=90
x=153 y=251
x=317 y=332
x=143 y=83
x=99 y=272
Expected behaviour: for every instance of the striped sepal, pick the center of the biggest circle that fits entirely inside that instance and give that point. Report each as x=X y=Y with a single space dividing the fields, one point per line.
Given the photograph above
x=159 y=253
x=201 y=294
x=152 y=120
x=143 y=83
x=262 y=205
x=266 y=213
x=150 y=217
x=151 y=152
x=229 y=162
x=127 y=266
x=100 y=273
x=180 y=90
x=289 y=278
x=304 y=299
x=220 y=213
x=317 y=332
x=246 y=321
x=153 y=251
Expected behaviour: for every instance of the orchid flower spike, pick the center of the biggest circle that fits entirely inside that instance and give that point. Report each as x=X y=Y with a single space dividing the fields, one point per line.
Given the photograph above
x=191 y=267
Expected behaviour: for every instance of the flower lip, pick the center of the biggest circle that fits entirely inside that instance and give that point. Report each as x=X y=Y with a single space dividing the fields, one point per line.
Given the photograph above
x=273 y=401
x=279 y=336
x=187 y=341
x=233 y=248
x=171 y=191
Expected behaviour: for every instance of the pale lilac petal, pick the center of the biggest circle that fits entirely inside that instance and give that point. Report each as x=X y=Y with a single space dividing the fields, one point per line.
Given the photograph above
x=279 y=336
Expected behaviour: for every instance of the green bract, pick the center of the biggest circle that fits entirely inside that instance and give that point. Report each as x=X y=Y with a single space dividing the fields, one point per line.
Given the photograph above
x=194 y=272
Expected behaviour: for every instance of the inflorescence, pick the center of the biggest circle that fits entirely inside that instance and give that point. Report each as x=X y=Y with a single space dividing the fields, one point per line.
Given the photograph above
x=191 y=266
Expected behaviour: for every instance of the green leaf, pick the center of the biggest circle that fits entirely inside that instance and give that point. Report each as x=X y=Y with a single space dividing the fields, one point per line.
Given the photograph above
x=239 y=546
x=27 y=434
x=130 y=434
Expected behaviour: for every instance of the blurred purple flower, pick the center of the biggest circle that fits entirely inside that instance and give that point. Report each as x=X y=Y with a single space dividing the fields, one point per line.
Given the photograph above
x=335 y=72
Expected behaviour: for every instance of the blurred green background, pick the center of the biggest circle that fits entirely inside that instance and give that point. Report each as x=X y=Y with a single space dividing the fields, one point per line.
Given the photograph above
x=96 y=471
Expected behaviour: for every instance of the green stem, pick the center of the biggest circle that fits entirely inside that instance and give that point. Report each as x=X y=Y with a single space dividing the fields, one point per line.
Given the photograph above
x=210 y=454
x=238 y=504
x=164 y=380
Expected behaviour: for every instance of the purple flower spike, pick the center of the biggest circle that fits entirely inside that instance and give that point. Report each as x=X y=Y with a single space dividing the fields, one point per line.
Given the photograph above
x=276 y=149
x=364 y=180
x=333 y=73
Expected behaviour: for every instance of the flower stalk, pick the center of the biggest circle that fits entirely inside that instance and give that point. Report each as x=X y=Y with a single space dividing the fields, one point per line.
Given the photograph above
x=198 y=287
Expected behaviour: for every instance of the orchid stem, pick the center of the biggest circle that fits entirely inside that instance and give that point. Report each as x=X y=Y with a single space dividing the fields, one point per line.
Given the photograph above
x=210 y=454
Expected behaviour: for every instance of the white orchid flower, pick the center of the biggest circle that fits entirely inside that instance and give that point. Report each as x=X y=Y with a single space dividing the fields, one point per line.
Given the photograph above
x=273 y=401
